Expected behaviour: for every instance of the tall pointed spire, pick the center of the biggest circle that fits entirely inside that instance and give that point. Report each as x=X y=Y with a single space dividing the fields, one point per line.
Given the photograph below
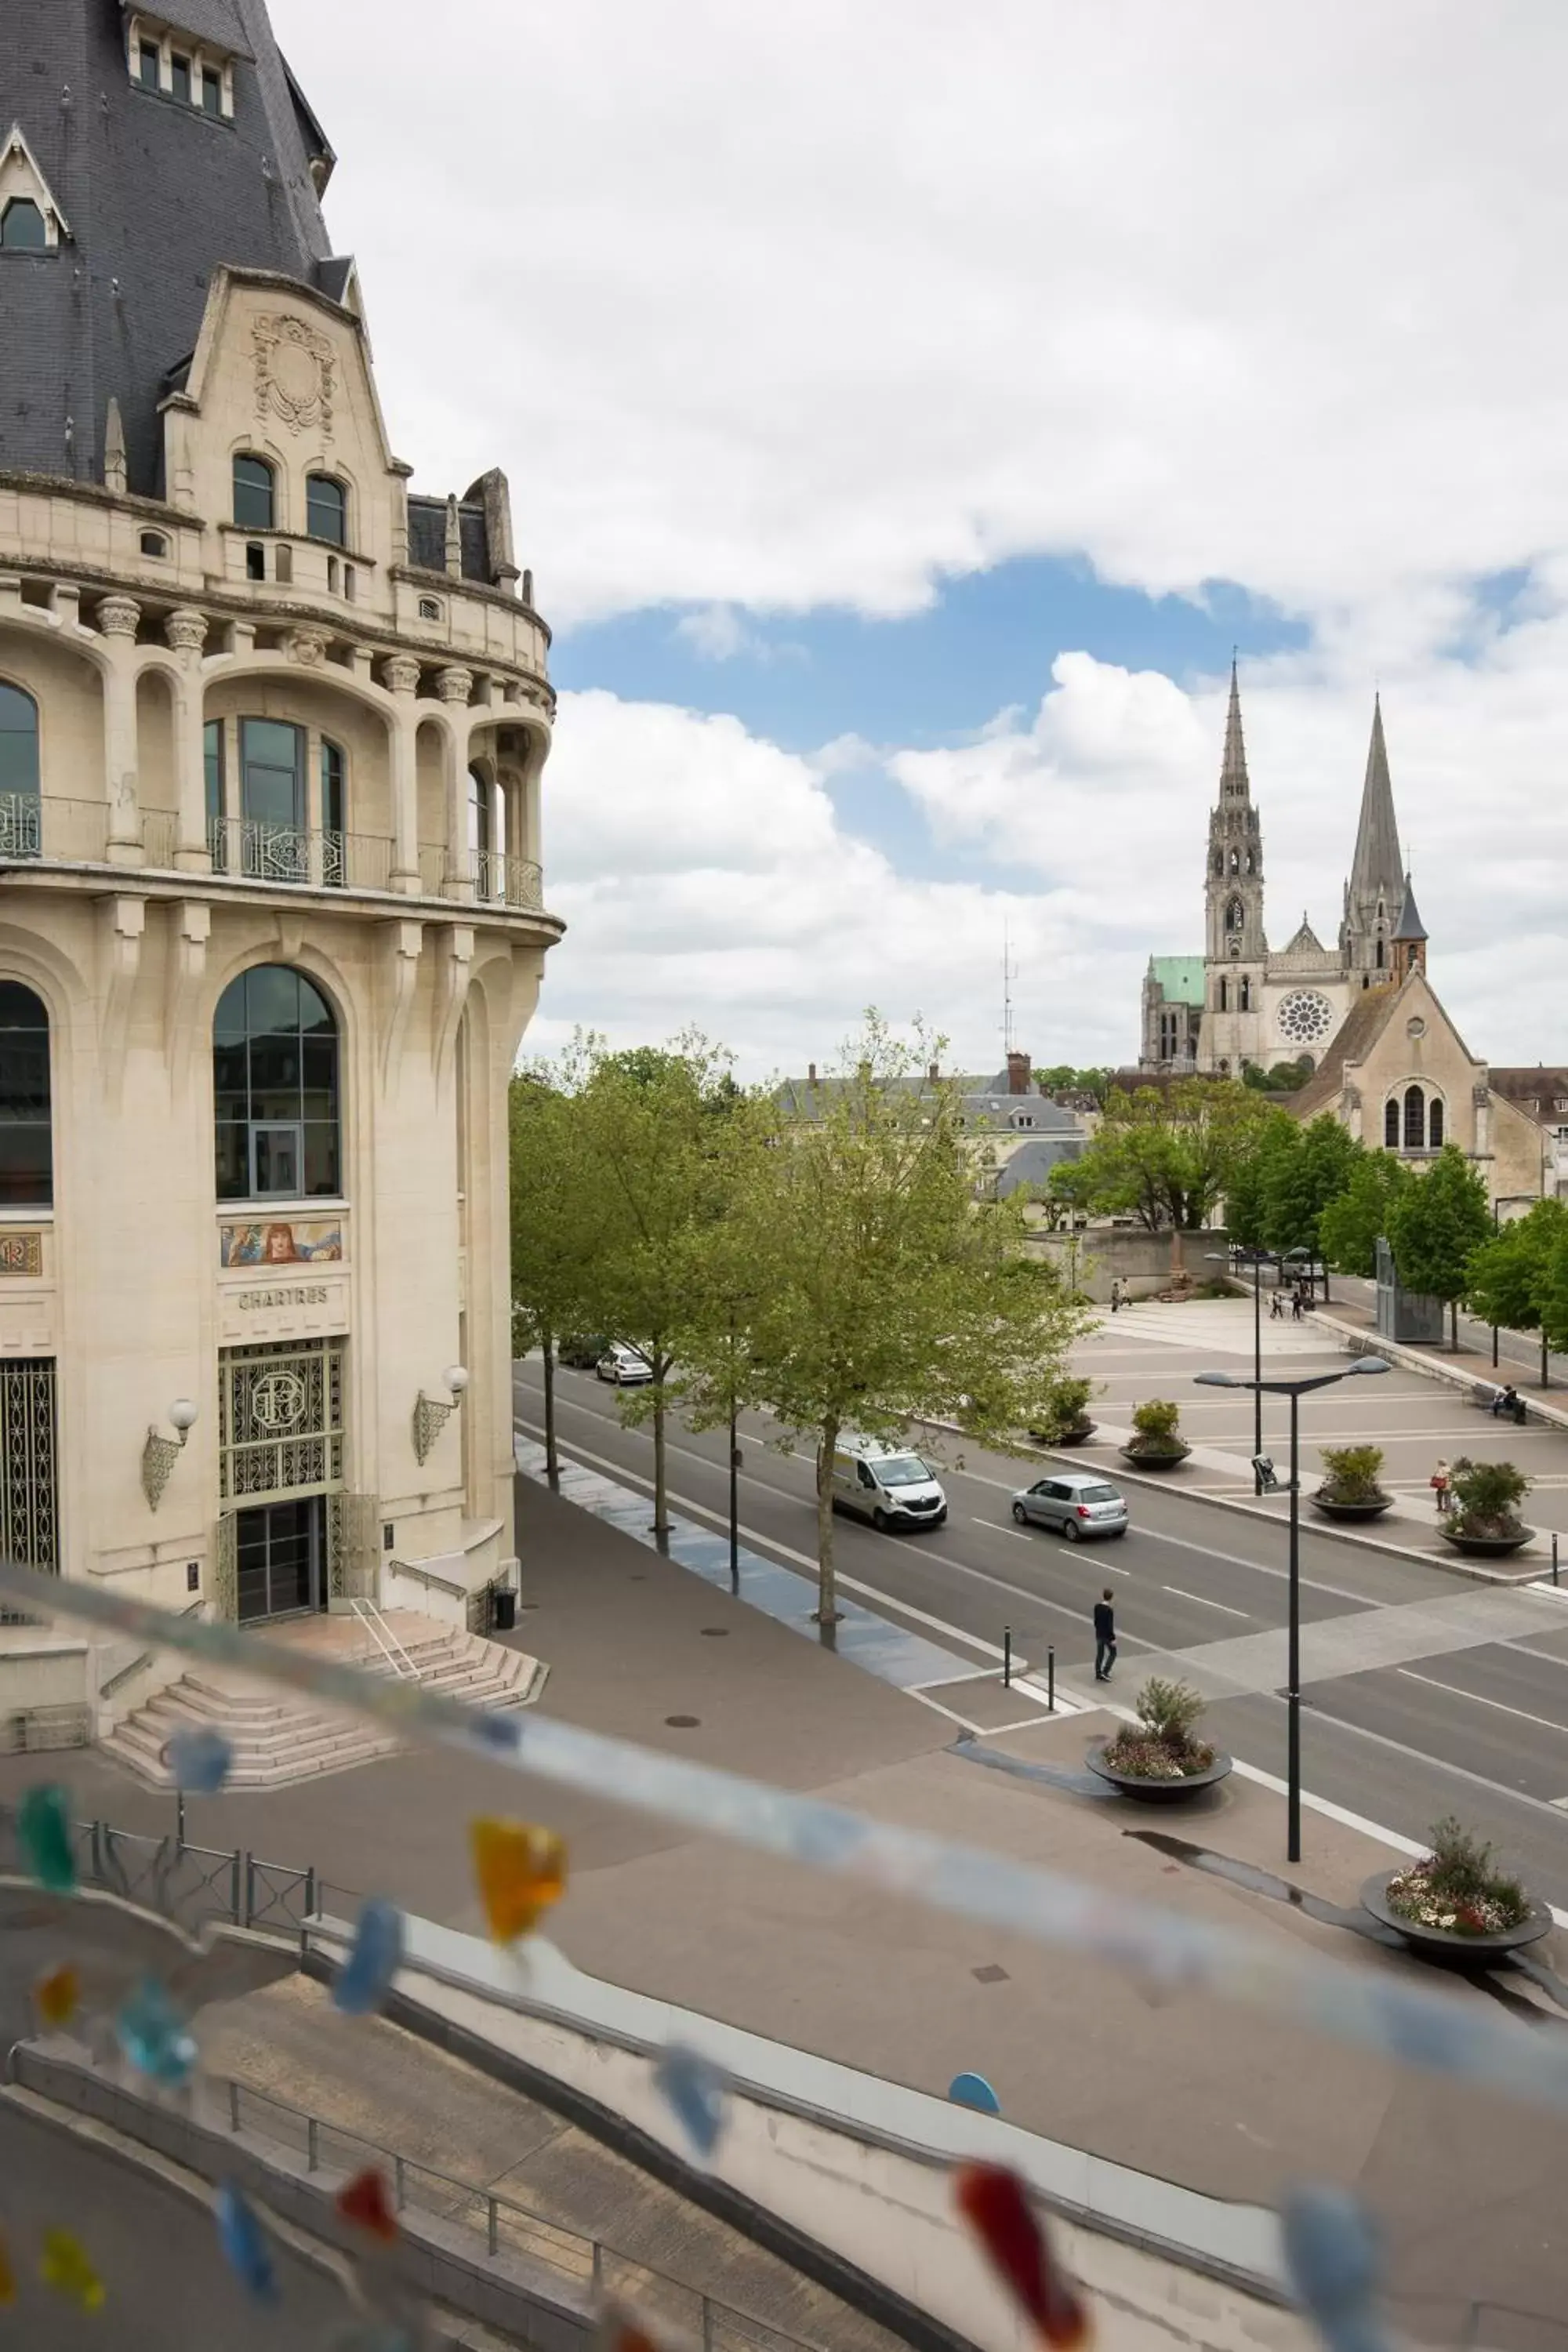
x=1232 y=778
x=1378 y=869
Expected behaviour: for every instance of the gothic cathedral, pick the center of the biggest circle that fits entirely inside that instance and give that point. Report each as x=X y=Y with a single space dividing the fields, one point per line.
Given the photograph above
x=1239 y=1003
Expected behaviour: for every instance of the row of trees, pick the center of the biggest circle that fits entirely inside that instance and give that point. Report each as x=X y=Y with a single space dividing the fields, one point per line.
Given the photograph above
x=1171 y=1157
x=834 y=1269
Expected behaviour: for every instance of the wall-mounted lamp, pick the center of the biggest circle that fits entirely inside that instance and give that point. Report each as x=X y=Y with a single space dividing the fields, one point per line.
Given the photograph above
x=431 y=1416
x=160 y=1454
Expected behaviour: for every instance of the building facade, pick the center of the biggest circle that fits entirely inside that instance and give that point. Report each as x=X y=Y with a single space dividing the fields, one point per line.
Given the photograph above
x=272 y=728
x=1241 y=1003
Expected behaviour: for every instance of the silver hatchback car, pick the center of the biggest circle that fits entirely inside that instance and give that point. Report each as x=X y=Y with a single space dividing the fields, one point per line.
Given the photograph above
x=1078 y=1502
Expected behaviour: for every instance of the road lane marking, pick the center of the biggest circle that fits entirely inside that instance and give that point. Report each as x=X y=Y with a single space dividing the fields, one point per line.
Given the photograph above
x=853 y=1584
x=1202 y=1601
x=997 y=1527
x=1477 y=1700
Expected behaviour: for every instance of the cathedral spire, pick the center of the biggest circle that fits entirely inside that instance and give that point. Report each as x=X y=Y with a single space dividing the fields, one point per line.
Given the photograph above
x=1378 y=870
x=1232 y=778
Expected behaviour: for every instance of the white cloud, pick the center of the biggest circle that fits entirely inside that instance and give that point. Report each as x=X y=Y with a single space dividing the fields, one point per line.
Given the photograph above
x=717 y=631
x=787 y=308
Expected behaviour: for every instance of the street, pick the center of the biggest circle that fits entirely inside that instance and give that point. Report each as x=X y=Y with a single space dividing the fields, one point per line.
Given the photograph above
x=1422 y=1694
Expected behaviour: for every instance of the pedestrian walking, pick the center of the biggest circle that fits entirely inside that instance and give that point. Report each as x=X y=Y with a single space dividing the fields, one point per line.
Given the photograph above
x=1440 y=1483
x=1296 y=1303
x=1104 y=1637
x=1277 y=1308
x=1115 y=1297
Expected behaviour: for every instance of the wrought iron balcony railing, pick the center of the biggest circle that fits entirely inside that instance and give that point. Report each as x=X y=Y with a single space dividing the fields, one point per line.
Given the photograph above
x=38 y=830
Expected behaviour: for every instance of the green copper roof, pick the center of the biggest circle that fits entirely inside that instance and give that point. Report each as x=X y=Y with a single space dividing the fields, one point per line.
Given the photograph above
x=1180 y=978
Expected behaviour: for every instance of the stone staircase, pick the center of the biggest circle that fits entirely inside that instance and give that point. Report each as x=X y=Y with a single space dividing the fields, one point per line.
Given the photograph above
x=278 y=1738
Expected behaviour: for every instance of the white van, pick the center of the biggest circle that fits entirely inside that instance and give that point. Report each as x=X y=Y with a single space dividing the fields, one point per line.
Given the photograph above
x=891 y=1488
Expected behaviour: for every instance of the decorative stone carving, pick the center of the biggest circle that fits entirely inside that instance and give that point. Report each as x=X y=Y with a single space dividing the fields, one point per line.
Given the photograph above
x=455 y=685
x=120 y=617
x=307 y=648
x=402 y=675
x=186 y=631
x=296 y=371
x=1481 y=1095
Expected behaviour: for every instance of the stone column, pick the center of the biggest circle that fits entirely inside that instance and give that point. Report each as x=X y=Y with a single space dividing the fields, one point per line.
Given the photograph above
x=186 y=631
x=118 y=617
x=402 y=679
x=454 y=686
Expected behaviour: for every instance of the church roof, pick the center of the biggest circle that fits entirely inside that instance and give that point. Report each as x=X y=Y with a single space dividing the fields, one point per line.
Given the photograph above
x=1378 y=866
x=1411 y=926
x=157 y=194
x=1179 y=978
x=1233 y=777
x=1357 y=1034
x=1305 y=941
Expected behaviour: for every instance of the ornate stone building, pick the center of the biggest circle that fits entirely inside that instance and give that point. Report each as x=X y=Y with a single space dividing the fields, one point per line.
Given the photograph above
x=272 y=726
x=1241 y=1002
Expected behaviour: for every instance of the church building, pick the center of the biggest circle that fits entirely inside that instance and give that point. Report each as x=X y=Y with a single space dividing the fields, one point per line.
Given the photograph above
x=272 y=730
x=1242 y=1003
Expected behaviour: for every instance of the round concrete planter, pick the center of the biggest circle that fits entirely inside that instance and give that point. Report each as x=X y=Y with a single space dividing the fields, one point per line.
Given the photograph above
x=1155 y=1792
x=1078 y=1436
x=1333 y=1509
x=1487 y=1546
x=1443 y=1944
x=1169 y=1457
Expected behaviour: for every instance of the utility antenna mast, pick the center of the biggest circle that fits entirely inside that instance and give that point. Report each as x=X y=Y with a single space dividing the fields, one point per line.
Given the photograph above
x=1009 y=974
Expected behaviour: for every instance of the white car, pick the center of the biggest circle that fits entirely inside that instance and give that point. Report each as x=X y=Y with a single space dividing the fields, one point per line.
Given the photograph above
x=624 y=1366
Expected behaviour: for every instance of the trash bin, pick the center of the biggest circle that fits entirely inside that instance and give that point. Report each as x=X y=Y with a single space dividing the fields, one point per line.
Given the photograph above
x=505 y=1609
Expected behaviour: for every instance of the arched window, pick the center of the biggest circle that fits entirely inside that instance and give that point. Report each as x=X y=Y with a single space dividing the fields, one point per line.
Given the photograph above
x=327 y=509
x=254 y=494
x=481 y=819
x=1380 y=955
x=1245 y=994
x=1224 y=991
x=1414 y=1119
x=1390 y=1124
x=18 y=772
x=1434 y=1123
x=26 y=1149
x=276 y=1097
x=1234 y=916
x=1236 y=861
x=23 y=229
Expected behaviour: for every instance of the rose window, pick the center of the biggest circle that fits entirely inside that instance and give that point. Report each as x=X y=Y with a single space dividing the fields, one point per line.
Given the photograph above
x=1305 y=1017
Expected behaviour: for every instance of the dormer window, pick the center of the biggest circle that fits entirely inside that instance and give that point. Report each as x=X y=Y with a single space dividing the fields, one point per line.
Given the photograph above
x=167 y=59
x=23 y=229
x=327 y=509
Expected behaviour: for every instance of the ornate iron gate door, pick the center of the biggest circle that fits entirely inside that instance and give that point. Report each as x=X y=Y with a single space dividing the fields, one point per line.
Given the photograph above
x=29 y=1530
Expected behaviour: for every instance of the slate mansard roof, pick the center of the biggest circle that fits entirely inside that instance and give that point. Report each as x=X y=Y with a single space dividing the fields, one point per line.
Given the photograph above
x=158 y=195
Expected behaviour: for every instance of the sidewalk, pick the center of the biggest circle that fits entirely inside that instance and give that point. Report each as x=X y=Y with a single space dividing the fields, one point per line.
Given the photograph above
x=1233 y=2105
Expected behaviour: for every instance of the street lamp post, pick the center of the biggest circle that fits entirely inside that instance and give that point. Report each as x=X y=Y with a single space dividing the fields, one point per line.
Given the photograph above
x=1295 y=1390
x=1223 y=1257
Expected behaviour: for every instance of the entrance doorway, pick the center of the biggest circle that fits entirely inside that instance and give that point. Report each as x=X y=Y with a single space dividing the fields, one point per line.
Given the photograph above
x=280 y=1558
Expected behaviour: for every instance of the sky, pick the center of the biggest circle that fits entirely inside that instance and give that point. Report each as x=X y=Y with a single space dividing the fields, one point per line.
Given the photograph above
x=908 y=409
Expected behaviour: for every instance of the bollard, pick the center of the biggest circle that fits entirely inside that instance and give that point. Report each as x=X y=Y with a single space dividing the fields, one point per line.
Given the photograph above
x=1051 y=1679
x=1553 y=1555
x=1006 y=1657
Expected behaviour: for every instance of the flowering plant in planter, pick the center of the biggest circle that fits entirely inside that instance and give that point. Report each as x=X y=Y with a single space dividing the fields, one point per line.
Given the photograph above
x=1482 y=1499
x=1160 y=1746
x=1068 y=1418
x=1457 y=1888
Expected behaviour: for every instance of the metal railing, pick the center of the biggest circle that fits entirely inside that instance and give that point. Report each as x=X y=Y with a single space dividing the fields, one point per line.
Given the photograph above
x=506 y=2226
x=385 y=1640
x=193 y=1883
x=35 y=830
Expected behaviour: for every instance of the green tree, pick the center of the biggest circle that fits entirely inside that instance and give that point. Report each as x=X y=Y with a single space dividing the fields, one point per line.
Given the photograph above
x=1301 y=1182
x=883 y=1291
x=1256 y=1174
x=1555 y=1295
x=1351 y=1225
x=553 y=1246
x=1437 y=1226
x=1513 y=1275
x=1168 y=1155
x=654 y=1129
